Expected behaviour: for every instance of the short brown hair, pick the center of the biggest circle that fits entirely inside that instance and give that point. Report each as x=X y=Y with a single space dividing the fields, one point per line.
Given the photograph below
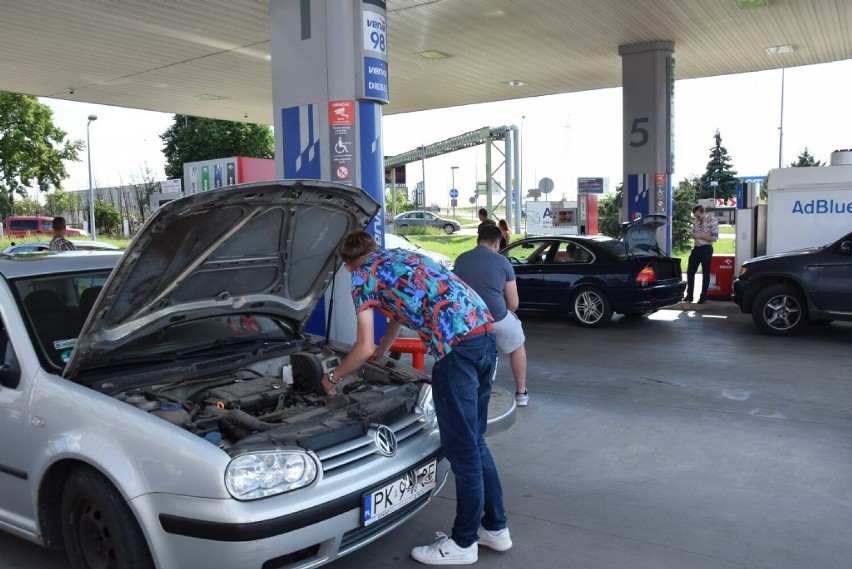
x=698 y=208
x=59 y=224
x=357 y=245
x=489 y=234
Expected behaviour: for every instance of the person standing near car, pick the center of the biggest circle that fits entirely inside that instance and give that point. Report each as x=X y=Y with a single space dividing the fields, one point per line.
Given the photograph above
x=484 y=219
x=705 y=231
x=59 y=243
x=454 y=323
x=505 y=234
x=492 y=277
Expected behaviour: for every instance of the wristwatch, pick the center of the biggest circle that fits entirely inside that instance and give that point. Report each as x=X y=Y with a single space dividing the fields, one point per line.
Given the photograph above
x=331 y=378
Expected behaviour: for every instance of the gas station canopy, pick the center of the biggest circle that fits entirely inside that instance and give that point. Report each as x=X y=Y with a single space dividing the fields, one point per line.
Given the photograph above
x=212 y=57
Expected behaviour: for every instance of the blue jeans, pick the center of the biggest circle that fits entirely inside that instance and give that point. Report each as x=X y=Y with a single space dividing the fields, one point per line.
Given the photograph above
x=700 y=255
x=461 y=387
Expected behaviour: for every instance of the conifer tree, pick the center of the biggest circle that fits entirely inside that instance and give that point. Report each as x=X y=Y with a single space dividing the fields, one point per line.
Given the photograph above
x=806 y=160
x=719 y=170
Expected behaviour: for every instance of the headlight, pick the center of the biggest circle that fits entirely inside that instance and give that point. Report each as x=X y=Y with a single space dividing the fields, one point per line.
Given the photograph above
x=260 y=474
x=426 y=406
x=743 y=271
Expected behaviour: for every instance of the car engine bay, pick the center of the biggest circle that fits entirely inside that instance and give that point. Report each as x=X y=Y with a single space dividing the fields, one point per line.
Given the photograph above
x=280 y=401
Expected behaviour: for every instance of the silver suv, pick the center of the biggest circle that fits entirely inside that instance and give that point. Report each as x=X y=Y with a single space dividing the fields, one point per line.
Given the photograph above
x=162 y=408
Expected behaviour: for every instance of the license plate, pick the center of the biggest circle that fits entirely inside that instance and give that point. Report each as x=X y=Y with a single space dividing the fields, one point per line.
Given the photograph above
x=391 y=497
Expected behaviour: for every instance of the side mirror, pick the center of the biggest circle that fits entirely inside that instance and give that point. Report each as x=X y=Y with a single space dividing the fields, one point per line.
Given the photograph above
x=846 y=248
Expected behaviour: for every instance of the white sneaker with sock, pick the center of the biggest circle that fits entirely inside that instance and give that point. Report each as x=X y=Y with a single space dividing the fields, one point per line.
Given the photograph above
x=445 y=552
x=498 y=540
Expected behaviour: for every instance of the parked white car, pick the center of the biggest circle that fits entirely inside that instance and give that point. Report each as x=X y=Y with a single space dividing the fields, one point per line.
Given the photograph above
x=393 y=241
x=161 y=407
x=81 y=245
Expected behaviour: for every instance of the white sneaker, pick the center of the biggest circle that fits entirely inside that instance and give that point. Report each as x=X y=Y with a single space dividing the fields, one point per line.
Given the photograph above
x=445 y=552
x=522 y=399
x=498 y=540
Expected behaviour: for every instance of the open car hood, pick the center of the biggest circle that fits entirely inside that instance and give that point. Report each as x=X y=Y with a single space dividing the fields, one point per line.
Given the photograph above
x=268 y=247
x=641 y=233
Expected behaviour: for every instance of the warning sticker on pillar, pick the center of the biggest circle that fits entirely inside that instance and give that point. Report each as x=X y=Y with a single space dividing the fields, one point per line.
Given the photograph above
x=341 y=140
x=660 y=193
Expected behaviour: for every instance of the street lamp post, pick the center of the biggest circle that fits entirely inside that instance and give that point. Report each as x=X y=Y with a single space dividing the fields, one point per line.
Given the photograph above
x=453 y=176
x=91 y=187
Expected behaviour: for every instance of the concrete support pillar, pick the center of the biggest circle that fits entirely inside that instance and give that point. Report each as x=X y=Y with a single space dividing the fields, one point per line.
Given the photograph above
x=647 y=77
x=329 y=79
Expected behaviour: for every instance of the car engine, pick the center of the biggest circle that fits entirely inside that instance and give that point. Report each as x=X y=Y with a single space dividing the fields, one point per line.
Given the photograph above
x=281 y=401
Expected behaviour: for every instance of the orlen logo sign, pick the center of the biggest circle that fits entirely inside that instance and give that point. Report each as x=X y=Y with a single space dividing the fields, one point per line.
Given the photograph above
x=822 y=207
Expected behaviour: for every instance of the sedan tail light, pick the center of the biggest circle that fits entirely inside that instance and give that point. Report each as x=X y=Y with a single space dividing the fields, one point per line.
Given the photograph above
x=646 y=276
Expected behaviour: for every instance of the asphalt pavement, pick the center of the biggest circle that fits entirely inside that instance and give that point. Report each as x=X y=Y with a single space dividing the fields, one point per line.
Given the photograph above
x=683 y=440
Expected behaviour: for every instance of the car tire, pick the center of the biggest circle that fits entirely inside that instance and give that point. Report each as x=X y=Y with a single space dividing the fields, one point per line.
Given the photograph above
x=98 y=528
x=779 y=310
x=449 y=229
x=590 y=307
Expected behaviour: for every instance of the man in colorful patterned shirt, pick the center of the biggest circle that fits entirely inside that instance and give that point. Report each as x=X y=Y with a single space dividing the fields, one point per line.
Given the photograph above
x=453 y=321
x=705 y=230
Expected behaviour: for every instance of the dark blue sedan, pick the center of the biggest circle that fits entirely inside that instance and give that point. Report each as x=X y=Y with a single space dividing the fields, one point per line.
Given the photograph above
x=592 y=277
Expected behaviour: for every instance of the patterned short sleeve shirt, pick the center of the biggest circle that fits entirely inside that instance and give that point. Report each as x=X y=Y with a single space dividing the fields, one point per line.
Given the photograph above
x=61 y=244
x=421 y=295
x=707 y=224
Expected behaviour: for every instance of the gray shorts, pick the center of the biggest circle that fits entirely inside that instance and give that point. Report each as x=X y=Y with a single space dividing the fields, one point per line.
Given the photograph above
x=510 y=334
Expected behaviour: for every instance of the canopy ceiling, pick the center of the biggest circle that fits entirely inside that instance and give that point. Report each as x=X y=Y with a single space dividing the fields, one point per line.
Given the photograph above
x=212 y=57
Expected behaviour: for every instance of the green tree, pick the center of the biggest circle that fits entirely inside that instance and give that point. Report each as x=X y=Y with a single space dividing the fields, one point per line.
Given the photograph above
x=719 y=170
x=32 y=149
x=107 y=218
x=683 y=200
x=609 y=221
x=25 y=206
x=191 y=139
x=140 y=198
x=56 y=203
x=806 y=160
x=402 y=204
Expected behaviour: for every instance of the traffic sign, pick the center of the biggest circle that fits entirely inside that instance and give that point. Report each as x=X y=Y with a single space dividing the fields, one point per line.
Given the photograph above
x=545 y=185
x=454 y=193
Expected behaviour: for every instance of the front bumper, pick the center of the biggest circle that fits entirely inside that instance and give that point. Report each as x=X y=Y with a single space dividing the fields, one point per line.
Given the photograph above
x=738 y=293
x=301 y=529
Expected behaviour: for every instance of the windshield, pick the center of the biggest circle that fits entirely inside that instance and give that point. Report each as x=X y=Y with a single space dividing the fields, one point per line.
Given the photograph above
x=56 y=307
x=199 y=336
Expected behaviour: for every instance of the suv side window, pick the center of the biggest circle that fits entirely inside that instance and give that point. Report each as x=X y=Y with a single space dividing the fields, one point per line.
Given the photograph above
x=30 y=225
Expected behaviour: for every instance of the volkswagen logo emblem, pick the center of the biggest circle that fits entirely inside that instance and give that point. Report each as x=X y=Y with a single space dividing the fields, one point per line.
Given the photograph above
x=385 y=439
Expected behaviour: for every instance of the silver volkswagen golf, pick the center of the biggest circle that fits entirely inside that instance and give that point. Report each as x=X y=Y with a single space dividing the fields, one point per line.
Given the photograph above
x=162 y=408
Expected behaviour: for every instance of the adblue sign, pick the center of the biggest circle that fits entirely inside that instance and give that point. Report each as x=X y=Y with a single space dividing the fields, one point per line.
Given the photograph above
x=822 y=207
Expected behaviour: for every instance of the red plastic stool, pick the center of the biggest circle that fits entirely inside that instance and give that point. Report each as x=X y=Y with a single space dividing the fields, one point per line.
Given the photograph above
x=413 y=346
